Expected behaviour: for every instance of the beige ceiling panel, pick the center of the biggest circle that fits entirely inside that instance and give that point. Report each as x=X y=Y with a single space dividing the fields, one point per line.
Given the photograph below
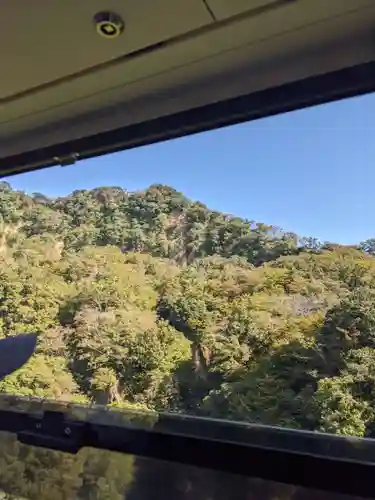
x=55 y=38
x=252 y=53
x=347 y=40
x=222 y=9
x=149 y=65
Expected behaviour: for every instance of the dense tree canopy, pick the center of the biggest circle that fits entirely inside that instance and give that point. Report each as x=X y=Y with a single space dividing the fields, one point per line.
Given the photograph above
x=150 y=300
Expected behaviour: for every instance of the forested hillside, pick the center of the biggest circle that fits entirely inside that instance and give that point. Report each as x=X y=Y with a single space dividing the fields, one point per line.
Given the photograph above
x=150 y=300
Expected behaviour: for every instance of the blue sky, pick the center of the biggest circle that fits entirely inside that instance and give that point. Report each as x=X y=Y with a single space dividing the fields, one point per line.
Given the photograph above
x=311 y=171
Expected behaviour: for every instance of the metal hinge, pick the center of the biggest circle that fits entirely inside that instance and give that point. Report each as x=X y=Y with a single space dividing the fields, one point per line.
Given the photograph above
x=65 y=161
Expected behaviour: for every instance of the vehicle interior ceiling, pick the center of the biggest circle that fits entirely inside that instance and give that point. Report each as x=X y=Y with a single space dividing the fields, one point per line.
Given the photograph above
x=63 y=81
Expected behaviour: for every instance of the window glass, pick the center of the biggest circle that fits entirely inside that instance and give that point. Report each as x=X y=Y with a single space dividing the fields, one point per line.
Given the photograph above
x=229 y=274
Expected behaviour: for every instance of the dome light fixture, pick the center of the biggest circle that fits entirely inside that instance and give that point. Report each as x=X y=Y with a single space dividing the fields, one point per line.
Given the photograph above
x=109 y=24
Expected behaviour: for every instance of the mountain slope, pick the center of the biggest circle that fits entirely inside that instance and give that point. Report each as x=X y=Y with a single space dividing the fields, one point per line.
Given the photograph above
x=150 y=300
